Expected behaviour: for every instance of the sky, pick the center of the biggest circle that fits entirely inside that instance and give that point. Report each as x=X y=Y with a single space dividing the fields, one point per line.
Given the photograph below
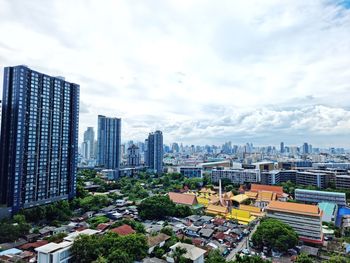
x=203 y=72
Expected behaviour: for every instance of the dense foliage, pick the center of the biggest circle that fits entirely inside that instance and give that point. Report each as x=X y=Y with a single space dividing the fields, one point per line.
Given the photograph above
x=56 y=212
x=274 y=234
x=159 y=207
x=91 y=202
x=11 y=230
x=109 y=248
x=303 y=258
x=248 y=259
x=95 y=221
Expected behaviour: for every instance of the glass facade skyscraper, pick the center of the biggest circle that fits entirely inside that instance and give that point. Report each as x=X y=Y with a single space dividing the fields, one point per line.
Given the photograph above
x=89 y=143
x=39 y=138
x=108 y=142
x=154 y=152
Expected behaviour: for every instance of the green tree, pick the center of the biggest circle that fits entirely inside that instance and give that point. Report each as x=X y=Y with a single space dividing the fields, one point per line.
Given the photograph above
x=247 y=259
x=85 y=249
x=167 y=230
x=156 y=207
x=275 y=234
x=182 y=211
x=303 y=258
x=110 y=246
x=338 y=259
x=178 y=253
x=215 y=256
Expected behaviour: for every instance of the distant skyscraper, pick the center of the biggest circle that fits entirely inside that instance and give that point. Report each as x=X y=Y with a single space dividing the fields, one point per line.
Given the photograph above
x=108 y=141
x=175 y=148
x=39 y=138
x=133 y=156
x=154 y=152
x=89 y=143
x=282 y=147
x=305 y=148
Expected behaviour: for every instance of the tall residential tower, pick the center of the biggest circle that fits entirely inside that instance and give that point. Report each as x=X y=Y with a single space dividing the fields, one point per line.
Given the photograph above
x=108 y=142
x=39 y=138
x=154 y=152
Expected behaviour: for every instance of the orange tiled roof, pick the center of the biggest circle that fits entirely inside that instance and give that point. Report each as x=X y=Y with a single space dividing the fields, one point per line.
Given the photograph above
x=123 y=230
x=269 y=188
x=184 y=199
x=251 y=194
x=295 y=208
x=216 y=209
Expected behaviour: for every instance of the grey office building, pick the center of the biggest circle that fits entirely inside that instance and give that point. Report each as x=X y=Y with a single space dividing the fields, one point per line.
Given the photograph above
x=39 y=138
x=134 y=158
x=89 y=143
x=154 y=152
x=108 y=142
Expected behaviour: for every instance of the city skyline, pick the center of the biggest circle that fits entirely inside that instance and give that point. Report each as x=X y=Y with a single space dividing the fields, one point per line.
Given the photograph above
x=253 y=72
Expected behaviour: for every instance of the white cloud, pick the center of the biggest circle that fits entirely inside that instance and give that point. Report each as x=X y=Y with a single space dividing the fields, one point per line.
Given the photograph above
x=201 y=71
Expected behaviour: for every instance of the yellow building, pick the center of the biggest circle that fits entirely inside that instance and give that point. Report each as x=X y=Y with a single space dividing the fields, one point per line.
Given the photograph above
x=217 y=210
x=240 y=198
x=254 y=211
x=243 y=217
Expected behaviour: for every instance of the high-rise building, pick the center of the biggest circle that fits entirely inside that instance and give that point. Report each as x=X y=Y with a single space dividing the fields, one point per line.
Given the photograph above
x=305 y=148
x=39 y=138
x=89 y=143
x=175 y=148
x=282 y=147
x=108 y=141
x=0 y=114
x=134 y=158
x=154 y=152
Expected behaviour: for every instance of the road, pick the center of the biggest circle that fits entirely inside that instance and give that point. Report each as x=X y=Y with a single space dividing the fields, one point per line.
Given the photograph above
x=241 y=245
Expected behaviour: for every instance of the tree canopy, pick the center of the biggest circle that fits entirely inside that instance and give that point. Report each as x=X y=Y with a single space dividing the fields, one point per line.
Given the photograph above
x=109 y=247
x=275 y=235
x=159 y=207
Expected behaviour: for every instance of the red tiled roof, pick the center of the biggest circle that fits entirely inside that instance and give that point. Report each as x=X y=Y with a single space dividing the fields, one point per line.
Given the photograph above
x=219 y=221
x=184 y=199
x=220 y=235
x=79 y=229
x=197 y=241
x=123 y=230
x=270 y=188
x=34 y=244
x=102 y=226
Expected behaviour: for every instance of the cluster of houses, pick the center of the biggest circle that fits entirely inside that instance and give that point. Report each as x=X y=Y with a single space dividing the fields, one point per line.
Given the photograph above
x=204 y=232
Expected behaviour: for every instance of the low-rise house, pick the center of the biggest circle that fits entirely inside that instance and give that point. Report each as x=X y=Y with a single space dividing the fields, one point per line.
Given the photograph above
x=33 y=245
x=193 y=253
x=54 y=252
x=194 y=218
x=153 y=260
x=46 y=231
x=25 y=256
x=88 y=214
x=103 y=226
x=12 y=251
x=31 y=237
x=158 y=240
x=108 y=209
x=60 y=252
x=72 y=236
x=206 y=233
x=183 y=199
x=206 y=219
x=123 y=230
x=192 y=231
